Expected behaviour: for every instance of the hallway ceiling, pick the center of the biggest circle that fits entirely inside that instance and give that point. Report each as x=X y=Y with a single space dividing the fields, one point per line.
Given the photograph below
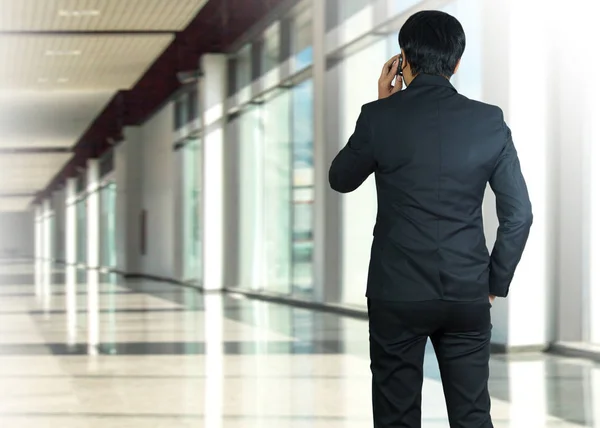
x=15 y=203
x=97 y=15
x=27 y=171
x=47 y=119
x=43 y=63
x=62 y=62
x=75 y=72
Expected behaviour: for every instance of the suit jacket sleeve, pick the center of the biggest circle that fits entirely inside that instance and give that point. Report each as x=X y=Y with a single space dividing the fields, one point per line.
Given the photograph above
x=515 y=217
x=356 y=161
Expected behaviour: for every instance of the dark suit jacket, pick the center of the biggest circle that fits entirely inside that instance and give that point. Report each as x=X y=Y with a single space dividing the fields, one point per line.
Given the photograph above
x=433 y=151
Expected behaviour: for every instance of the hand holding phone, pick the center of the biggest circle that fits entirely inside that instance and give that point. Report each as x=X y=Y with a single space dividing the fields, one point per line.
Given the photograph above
x=388 y=74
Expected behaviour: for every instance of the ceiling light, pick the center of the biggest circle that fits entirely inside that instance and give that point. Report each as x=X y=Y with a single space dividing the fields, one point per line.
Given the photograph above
x=78 y=13
x=62 y=80
x=72 y=52
x=43 y=80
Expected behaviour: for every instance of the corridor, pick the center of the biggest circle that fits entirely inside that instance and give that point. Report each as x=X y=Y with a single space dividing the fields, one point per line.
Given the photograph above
x=149 y=354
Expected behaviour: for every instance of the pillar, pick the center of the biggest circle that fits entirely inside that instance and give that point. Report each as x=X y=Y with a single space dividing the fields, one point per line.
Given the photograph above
x=39 y=247
x=71 y=258
x=326 y=255
x=528 y=118
x=521 y=321
x=47 y=230
x=93 y=214
x=129 y=181
x=46 y=283
x=58 y=226
x=214 y=117
x=179 y=205
x=214 y=360
x=594 y=216
x=71 y=222
x=93 y=251
x=592 y=132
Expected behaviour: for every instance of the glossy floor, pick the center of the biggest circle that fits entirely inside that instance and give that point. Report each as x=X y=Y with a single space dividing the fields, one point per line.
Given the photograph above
x=93 y=352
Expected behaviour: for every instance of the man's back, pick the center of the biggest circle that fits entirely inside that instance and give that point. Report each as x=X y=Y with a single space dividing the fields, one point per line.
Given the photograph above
x=434 y=152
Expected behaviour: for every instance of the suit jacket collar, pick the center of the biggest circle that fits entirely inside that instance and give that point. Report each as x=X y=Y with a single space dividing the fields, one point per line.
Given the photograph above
x=431 y=80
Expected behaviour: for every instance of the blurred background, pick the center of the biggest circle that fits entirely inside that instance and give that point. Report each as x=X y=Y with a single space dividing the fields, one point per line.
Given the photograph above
x=163 y=192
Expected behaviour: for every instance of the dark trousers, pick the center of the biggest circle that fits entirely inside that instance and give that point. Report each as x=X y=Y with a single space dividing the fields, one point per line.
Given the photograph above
x=460 y=333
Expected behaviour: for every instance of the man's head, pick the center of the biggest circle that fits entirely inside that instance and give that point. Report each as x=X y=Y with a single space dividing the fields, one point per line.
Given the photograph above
x=432 y=42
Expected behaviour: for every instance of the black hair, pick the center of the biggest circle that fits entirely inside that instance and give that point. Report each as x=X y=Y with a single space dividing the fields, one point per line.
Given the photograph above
x=433 y=42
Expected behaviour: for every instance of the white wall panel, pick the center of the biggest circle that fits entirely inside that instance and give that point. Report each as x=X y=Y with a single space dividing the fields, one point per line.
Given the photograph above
x=158 y=195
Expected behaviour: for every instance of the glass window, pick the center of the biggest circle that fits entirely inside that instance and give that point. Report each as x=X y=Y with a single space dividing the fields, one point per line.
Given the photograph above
x=340 y=10
x=399 y=6
x=51 y=236
x=469 y=79
x=359 y=209
x=302 y=39
x=81 y=231
x=81 y=182
x=107 y=163
x=303 y=189
x=181 y=111
x=192 y=102
x=265 y=195
x=231 y=76
x=192 y=220
x=277 y=192
x=243 y=65
x=108 y=199
x=271 y=48
x=251 y=197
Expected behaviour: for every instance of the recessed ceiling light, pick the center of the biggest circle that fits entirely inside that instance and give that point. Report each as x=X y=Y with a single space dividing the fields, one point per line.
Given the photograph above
x=43 y=80
x=62 y=80
x=71 y=52
x=78 y=13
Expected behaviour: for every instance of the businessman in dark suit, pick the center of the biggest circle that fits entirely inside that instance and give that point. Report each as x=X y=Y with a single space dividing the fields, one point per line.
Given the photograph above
x=433 y=152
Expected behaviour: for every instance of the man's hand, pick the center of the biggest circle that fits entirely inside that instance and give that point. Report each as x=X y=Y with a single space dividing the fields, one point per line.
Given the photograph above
x=387 y=77
x=492 y=298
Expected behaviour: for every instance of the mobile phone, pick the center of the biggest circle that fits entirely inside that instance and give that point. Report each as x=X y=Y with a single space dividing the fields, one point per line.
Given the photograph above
x=399 y=71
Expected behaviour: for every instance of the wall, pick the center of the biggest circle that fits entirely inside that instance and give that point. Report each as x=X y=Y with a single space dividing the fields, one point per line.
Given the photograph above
x=576 y=117
x=158 y=195
x=128 y=179
x=17 y=234
x=144 y=173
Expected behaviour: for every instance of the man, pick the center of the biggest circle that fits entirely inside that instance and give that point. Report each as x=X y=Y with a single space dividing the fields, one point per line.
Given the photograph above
x=433 y=152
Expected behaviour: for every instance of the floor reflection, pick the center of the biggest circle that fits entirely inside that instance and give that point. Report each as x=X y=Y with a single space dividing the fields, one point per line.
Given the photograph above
x=214 y=360
x=71 y=304
x=594 y=398
x=93 y=311
x=528 y=393
x=46 y=291
x=101 y=351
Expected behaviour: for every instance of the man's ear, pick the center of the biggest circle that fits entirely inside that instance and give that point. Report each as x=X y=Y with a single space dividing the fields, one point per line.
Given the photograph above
x=457 y=66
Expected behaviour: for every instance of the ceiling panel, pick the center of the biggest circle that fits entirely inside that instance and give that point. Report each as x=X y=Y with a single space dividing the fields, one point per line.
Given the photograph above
x=48 y=119
x=82 y=62
x=97 y=15
x=20 y=203
x=62 y=61
x=28 y=173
